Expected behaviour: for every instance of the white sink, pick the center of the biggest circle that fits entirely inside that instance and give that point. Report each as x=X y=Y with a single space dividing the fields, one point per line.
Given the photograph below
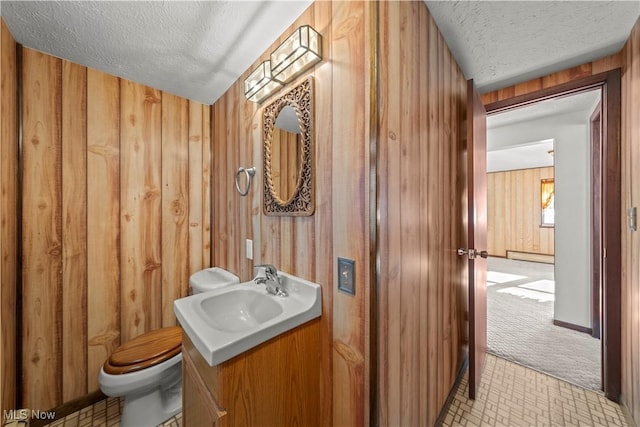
x=240 y=309
x=226 y=322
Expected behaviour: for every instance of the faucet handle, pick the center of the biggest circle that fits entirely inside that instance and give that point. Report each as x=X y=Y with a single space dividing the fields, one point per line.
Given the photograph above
x=269 y=269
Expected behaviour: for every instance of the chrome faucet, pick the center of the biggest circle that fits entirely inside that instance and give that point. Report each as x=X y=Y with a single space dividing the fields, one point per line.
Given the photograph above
x=271 y=280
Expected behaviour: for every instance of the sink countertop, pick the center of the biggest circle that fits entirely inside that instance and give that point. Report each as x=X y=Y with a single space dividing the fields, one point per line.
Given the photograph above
x=222 y=333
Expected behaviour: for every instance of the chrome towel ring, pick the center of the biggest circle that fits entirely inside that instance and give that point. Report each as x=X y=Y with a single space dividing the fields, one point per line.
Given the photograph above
x=249 y=173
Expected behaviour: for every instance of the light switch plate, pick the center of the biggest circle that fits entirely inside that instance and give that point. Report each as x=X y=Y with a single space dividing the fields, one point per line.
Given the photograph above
x=346 y=276
x=249 y=248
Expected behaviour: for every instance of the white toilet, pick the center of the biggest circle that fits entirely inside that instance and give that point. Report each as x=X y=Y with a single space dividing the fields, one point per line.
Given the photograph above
x=147 y=371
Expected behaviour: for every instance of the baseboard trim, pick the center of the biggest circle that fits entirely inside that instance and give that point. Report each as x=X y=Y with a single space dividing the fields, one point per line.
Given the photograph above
x=453 y=391
x=573 y=327
x=627 y=412
x=530 y=256
x=70 y=407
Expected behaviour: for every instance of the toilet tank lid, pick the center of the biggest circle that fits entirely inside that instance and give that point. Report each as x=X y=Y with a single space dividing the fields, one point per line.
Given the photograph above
x=213 y=277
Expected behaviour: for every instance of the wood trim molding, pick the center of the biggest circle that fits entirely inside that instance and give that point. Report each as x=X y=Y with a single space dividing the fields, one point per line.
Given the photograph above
x=595 y=131
x=610 y=83
x=573 y=86
x=572 y=326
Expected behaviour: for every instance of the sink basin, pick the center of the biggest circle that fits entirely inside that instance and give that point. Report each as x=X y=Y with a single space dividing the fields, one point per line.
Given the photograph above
x=240 y=309
x=228 y=321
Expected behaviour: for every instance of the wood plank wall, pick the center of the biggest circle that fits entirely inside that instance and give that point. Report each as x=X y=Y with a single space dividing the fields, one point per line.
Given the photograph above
x=115 y=218
x=8 y=217
x=631 y=240
x=422 y=283
x=308 y=246
x=514 y=212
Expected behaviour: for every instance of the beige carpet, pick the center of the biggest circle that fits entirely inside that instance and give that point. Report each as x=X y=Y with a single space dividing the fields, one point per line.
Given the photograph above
x=520 y=325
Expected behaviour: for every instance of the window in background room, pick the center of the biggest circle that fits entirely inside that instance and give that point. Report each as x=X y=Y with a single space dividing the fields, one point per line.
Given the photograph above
x=547 y=202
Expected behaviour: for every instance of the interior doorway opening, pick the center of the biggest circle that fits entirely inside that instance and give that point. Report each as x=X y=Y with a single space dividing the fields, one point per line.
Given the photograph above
x=545 y=239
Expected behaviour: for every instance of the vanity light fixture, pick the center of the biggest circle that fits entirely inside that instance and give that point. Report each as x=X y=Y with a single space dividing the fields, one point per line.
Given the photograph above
x=260 y=83
x=298 y=52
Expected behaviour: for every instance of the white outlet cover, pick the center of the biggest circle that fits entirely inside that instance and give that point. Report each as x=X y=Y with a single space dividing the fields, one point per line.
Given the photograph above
x=249 y=248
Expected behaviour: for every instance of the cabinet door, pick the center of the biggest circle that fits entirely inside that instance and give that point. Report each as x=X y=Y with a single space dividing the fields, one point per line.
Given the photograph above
x=199 y=406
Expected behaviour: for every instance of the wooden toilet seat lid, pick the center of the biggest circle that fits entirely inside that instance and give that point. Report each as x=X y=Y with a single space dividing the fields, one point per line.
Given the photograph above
x=145 y=350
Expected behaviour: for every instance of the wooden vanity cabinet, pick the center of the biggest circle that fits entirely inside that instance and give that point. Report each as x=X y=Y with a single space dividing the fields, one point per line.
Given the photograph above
x=274 y=384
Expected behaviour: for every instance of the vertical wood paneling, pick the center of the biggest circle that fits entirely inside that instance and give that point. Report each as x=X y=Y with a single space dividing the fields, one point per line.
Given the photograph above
x=205 y=194
x=350 y=193
x=321 y=266
x=8 y=217
x=235 y=204
x=103 y=220
x=514 y=212
x=409 y=194
x=425 y=85
x=106 y=243
x=175 y=203
x=74 y=228
x=421 y=97
x=307 y=246
x=631 y=240
x=197 y=180
x=387 y=378
x=421 y=109
x=41 y=230
x=140 y=187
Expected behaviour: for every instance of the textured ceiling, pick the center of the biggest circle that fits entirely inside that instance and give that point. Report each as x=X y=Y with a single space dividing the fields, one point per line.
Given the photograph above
x=192 y=49
x=500 y=43
x=198 y=49
x=513 y=137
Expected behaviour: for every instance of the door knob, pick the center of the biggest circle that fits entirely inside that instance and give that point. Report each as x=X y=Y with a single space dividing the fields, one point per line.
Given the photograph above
x=473 y=253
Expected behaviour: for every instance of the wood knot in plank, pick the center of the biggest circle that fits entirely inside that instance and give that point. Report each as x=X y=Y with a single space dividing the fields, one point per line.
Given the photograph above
x=348 y=353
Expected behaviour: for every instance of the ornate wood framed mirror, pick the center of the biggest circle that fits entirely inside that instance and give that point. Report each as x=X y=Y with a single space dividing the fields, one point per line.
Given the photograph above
x=287 y=153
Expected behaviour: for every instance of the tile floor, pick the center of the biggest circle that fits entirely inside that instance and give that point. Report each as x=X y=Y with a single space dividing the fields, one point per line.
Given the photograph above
x=105 y=413
x=510 y=395
x=515 y=396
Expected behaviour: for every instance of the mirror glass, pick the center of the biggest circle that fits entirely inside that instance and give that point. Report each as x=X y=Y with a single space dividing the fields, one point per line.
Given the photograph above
x=287 y=149
x=286 y=153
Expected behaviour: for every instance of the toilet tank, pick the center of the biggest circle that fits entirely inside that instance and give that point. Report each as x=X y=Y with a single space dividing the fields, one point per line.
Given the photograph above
x=210 y=279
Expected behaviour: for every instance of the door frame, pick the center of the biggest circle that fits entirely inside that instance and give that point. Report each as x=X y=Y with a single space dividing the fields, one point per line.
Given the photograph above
x=595 y=133
x=610 y=84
